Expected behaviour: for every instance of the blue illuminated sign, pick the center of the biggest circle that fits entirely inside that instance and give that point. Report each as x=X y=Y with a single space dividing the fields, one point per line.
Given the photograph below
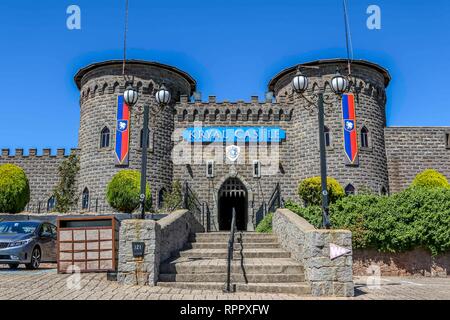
x=234 y=134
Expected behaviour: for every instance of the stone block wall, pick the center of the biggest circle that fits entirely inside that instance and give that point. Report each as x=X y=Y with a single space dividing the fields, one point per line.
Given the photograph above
x=162 y=239
x=410 y=150
x=311 y=247
x=41 y=168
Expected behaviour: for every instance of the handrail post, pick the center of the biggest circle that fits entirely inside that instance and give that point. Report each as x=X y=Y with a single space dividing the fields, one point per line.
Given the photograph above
x=230 y=250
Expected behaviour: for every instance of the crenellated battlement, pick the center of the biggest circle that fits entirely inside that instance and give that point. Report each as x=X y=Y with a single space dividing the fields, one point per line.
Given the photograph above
x=33 y=152
x=254 y=110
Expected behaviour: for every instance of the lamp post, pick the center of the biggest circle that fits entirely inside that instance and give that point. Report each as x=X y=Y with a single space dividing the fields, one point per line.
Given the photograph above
x=339 y=84
x=131 y=97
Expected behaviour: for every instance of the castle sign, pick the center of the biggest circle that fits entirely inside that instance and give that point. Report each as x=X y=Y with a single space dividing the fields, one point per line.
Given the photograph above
x=234 y=134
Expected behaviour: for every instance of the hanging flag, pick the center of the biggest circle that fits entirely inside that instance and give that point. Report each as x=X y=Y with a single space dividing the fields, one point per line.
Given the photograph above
x=122 y=133
x=350 y=136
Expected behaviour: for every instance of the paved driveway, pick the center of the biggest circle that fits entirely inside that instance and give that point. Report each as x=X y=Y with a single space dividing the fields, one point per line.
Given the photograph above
x=46 y=284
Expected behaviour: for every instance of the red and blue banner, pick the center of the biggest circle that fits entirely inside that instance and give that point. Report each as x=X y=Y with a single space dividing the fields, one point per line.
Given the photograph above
x=122 y=133
x=349 y=123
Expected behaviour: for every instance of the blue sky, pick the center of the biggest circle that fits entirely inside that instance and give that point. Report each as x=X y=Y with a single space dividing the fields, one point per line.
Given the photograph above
x=231 y=47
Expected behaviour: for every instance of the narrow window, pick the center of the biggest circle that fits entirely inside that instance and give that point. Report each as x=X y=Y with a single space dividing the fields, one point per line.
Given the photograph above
x=210 y=169
x=104 y=138
x=256 y=169
x=383 y=191
x=326 y=132
x=51 y=203
x=161 y=194
x=364 y=137
x=141 y=142
x=85 y=199
x=350 y=190
x=447 y=140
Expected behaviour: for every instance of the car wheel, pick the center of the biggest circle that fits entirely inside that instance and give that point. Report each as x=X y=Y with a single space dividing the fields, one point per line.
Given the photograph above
x=35 y=259
x=13 y=266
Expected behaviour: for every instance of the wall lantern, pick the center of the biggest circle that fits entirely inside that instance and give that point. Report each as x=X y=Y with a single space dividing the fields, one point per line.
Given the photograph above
x=339 y=83
x=163 y=96
x=130 y=96
x=300 y=82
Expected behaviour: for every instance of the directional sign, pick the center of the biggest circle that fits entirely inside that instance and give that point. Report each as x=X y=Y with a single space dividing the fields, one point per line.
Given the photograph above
x=337 y=251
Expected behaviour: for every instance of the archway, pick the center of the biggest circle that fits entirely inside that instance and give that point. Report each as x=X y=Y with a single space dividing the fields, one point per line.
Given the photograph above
x=233 y=194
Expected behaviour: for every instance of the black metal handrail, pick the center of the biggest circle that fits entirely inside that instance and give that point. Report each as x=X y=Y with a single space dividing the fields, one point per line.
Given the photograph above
x=275 y=201
x=230 y=250
x=198 y=208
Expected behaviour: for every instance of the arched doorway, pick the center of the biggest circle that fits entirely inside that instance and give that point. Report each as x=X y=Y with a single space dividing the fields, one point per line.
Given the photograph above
x=233 y=194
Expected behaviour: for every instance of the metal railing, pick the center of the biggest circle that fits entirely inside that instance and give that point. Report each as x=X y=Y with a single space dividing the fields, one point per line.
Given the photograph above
x=199 y=209
x=275 y=201
x=230 y=251
x=95 y=205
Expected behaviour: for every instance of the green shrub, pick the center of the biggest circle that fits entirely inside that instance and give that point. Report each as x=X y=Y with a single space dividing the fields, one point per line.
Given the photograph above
x=416 y=217
x=14 y=189
x=430 y=179
x=124 y=189
x=310 y=190
x=173 y=199
x=265 y=225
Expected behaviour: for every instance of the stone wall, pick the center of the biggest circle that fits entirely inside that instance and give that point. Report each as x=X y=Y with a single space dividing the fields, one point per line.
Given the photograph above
x=418 y=262
x=41 y=168
x=162 y=239
x=410 y=150
x=311 y=247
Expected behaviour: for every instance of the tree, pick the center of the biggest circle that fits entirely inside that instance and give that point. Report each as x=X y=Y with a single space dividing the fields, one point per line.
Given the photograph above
x=14 y=189
x=65 y=192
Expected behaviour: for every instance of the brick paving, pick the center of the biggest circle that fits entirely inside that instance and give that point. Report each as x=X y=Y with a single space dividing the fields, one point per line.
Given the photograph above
x=46 y=284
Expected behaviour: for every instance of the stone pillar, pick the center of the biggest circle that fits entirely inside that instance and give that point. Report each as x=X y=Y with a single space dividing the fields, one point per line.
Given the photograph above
x=328 y=277
x=141 y=270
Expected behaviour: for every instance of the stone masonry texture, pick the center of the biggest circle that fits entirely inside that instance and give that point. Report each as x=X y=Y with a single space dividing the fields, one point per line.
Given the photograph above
x=311 y=248
x=390 y=162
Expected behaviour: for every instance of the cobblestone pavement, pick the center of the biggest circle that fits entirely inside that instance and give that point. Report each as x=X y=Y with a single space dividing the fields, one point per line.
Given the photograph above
x=46 y=284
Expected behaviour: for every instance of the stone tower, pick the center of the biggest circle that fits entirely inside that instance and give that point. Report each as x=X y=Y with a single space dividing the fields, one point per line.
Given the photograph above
x=100 y=84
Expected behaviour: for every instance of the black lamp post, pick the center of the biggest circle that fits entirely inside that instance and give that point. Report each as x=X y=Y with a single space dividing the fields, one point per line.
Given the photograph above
x=131 y=97
x=339 y=85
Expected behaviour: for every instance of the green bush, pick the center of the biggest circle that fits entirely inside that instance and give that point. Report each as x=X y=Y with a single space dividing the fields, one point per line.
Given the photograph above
x=416 y=217
x=310 y=190
x=430 y=179
x=173 y=199
x=14 y=189
x=265 y=225
x=124 y=189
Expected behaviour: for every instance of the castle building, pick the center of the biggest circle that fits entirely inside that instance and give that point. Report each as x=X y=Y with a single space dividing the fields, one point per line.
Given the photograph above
x=276 y=141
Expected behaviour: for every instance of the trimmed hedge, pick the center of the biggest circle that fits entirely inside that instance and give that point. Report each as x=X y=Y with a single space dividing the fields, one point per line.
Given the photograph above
x=310 y=190
x=430 y=179
x=124 y=189
x=416 y=217
x=14 y=189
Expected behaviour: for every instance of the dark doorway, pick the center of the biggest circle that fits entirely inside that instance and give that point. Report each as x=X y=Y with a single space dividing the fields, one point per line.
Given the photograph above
x=233 y=194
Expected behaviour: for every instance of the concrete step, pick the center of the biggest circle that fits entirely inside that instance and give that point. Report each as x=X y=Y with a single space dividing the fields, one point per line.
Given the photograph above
x=246 y=253
x=251 y=266
x=235 y=277
x=237 y=246
x=222 y=237
x=298 y=288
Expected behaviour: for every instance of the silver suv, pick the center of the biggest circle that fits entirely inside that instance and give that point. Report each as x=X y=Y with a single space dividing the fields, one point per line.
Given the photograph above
x=27 y=242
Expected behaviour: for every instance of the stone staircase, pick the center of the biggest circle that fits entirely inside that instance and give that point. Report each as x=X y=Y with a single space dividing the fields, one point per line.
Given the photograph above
x=259 y=265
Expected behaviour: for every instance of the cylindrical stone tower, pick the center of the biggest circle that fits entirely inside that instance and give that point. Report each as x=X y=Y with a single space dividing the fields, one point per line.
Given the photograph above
x=368 y=85
x=100 y=85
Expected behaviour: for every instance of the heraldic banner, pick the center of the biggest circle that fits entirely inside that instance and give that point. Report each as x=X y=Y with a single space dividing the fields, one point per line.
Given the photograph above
x=349 y=123
x=122 y=133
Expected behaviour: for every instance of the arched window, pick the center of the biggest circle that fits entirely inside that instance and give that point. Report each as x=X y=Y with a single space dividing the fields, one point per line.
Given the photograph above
x=141 y=142
x=104 y=138
x=326 y=132
x=364 y=137
x=161 y=195
x=51 y=203
x=383 y=191
x=349 y=190
x=85 y=199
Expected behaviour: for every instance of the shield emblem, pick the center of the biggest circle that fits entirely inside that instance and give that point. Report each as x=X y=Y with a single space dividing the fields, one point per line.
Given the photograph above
x=122 y=125
x=233 y=153
x=349 y=125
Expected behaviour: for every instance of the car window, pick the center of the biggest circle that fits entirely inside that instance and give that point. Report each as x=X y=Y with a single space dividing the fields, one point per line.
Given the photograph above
x=53 y=230
x=18 y=227
x=45 y=229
